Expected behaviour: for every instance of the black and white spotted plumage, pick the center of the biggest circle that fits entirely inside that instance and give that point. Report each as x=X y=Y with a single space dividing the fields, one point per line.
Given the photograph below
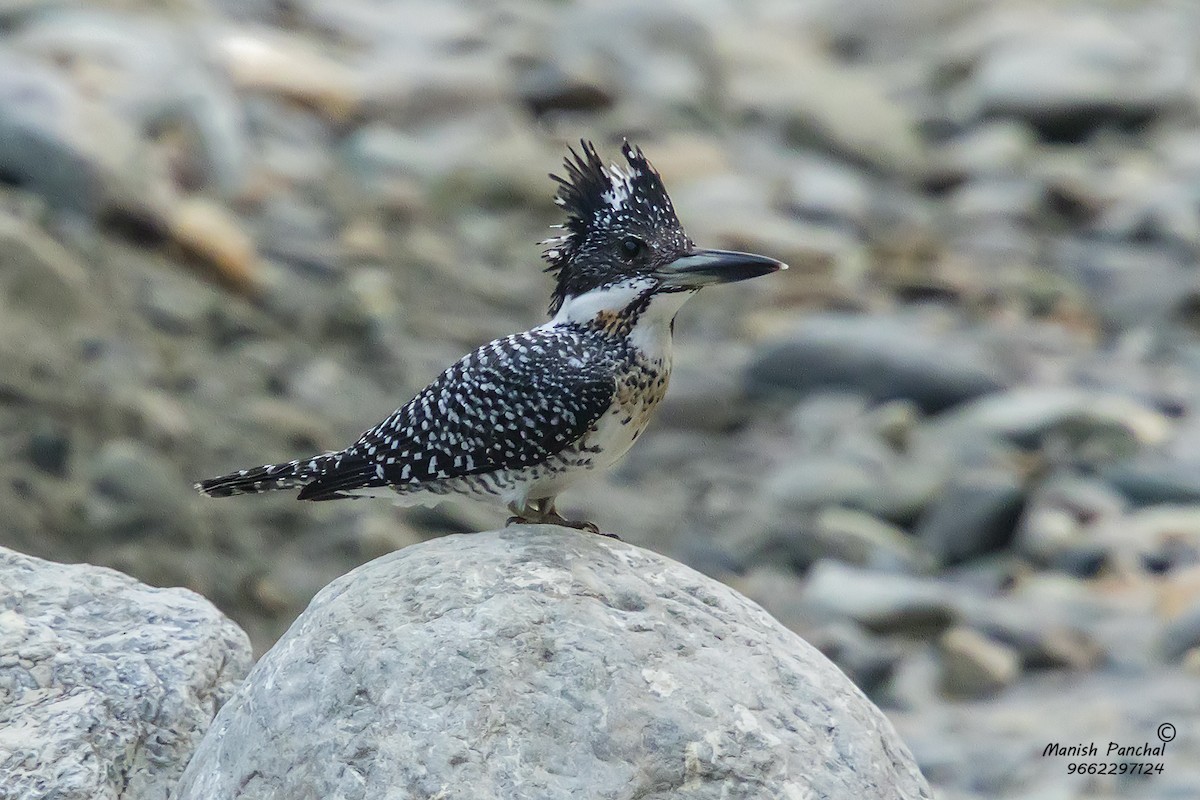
x=522 y=417
x=514 y=403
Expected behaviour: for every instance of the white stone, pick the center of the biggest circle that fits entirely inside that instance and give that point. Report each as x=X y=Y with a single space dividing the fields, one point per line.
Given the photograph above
x=540 y=662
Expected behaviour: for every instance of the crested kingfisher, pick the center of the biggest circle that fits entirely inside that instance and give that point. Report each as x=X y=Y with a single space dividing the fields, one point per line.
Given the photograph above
x=523 y=417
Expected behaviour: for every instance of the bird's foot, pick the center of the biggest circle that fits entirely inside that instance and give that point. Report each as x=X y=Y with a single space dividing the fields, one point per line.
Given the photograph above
x=544 y=513
x=554 y=518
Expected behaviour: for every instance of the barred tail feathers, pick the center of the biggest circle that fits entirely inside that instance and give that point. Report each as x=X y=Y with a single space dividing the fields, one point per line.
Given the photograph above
x=267 y=478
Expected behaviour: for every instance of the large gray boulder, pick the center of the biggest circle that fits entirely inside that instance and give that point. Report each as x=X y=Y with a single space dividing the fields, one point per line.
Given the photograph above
x=540 y=662
x=106 y=684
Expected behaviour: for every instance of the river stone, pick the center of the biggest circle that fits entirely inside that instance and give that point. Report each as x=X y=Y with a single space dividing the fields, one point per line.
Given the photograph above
x=538 y=662
x=884 y=358
x=106 y=684
x=975 y=513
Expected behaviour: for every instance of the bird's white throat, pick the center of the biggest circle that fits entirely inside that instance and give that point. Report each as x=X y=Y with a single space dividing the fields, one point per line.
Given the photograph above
x=651 y=332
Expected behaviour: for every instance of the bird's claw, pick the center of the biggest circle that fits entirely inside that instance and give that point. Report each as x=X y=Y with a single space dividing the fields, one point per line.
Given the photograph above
x=590 y=527
x=548 y=515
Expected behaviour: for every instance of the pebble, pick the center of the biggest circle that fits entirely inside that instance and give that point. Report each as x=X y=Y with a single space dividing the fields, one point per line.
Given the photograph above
x=1070 y=73
x=856 y=537
x=869 y=661
x=881 y=602
x=40 y=276
x=1046 y=637
x=707 y=395
x=975 y=513
x=1059 y=525
x=176 y=304
x=974 y=666
x=292 y=147
x=1151 y=479
x=76 y=153
x=134 y=494
x=660 y=58
x=1181 y=634
x=994 y=148
x=866 y=471
x=49 y=450
x=207 y=232
x=814 y=102
x=825 y=191
x=884 y=358
x=1126 y=282
x=546 y=87
x=1028 y=415
x=277 y=63
x=182 y=123
x=303 y=236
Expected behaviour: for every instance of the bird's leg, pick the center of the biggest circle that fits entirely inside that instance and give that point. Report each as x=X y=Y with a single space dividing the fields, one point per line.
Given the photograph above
x=550 y=515
x=543 y=512
x=531 y=513
x=520 y=515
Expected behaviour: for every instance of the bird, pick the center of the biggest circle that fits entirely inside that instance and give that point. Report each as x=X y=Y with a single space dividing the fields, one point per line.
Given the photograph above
x=524 y=416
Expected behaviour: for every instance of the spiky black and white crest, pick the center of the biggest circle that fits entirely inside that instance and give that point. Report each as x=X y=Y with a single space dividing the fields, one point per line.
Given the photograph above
x=605 y=204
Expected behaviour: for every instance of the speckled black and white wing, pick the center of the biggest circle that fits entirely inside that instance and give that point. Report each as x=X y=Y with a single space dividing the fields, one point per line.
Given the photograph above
x=513 y=404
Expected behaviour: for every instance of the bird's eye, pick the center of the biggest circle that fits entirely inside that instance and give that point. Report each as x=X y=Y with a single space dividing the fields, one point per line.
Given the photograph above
x=632 y=247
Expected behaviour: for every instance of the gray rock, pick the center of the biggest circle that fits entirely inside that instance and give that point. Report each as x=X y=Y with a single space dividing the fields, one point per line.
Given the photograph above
x=883 y=358
x=881 y=602
x=1129 y=284
x=1113 y=423
x=868 y=660
x=862 y=29
x=659 y=58
x=974 y=666
x=1000 y=147
x=538 y=662
x=1152 y=479
x=1159 y=539
x=1068 y=74
x=860 y=538
x=1059 y=525
x=135 y=493
x=787 y=82
x=1041 y=634
x=38 y=276
x=546 y=87
x=823 y=190
x=976 y=513
x=106 y=685
x=835 y=532
x=1181 y=634
x=48 y=449
x=155 y=75
x=177 y=304
x=707 y=395
x=40 y=148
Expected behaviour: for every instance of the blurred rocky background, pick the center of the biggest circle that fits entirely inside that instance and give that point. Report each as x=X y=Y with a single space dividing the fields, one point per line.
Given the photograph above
x=956 y=446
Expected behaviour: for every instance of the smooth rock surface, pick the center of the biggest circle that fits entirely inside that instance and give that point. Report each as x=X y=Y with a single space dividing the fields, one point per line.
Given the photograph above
x=883 y=358
x=975 y=513
x=975 y=666
x=106 y=684
x=540 y=662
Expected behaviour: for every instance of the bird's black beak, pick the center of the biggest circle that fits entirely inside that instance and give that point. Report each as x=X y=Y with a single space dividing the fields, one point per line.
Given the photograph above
x=702 y=267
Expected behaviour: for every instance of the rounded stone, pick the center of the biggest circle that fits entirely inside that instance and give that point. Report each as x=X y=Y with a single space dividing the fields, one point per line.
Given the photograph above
x=975 y=666
x=538 y=662
x=884 y=358
x=107 y=683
